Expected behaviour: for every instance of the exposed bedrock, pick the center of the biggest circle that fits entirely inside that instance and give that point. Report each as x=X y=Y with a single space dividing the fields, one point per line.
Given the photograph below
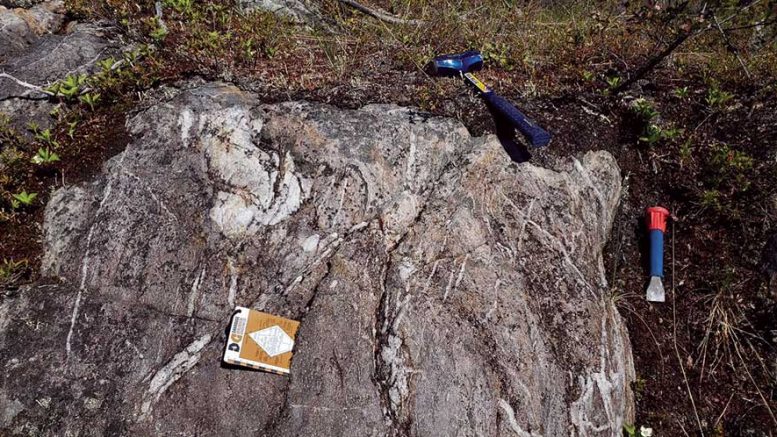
x=441 y=288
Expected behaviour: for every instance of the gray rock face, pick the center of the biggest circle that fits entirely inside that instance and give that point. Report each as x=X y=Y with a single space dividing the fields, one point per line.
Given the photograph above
x=441 y=288
x=299 y=11
x=19 y=3
x=36 y=56
x=21 y=27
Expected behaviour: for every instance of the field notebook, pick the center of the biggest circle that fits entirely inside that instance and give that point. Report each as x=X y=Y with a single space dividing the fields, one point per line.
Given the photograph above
x=260 y=341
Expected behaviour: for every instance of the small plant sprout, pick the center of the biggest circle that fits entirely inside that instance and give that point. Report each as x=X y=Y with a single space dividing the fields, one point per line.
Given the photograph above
x=55 y=112
x=717 y=97
x=45 y=136
x=248 y=48
x=685 y=151
x=90 y=99
x=33 y=127
x=11 y=270
x=159 y=31
x=23 y=198
x=613 y=82
x=496 y=53
x=651 y=135
x=588 y=76
x=71 y=129
x=644 y=109
x=631 y=431
x=131 y=57
x=69 y=87
x=45 y=156
x=681 y=93
x=106 y=64
x=183 y=6
x=711 y=199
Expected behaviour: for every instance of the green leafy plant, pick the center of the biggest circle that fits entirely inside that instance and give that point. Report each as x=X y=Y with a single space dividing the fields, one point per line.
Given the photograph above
x=249 y=52
x=588 y=76
x=496 y=53
x=23 y=198
x=71 y=129
x=731 y=166
x=651 y=135
x=711 y=199
x=106 y=65
x=55 y=112
x=717 y=97
x=10 y=156
x=158 y=31
x=11 y=271
x=69 y=87
x=632 y=431
x=90 y=99
x=45 y=136
x=654 y=133
x=670 y=133
x=182 y=6
x=613 y=82
x=131 y=56
x=685 y=151
x=33 y=127
x=644 y=109
x=45 y=156
x=681 y=93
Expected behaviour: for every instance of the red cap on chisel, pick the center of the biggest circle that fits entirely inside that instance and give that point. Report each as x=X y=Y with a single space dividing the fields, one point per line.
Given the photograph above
x=656 y=218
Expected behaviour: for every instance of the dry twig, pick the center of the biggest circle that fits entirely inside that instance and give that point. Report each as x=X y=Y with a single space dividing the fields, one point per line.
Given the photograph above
x=27 y=85
x=674 y=343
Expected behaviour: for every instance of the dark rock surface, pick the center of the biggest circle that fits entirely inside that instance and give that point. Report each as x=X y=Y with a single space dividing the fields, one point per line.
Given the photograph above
x=19 y=3
x=441 y=288
x=19 y=28
x=41 y=49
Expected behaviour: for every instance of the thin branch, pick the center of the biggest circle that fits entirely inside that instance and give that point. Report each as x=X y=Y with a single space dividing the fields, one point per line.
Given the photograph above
x=649 y=65
x=755 y=385
x=750 y=26
x=27 y=85
x=379 y=14
x=731 y=46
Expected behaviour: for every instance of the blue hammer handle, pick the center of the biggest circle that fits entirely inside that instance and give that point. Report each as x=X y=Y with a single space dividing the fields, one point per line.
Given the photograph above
x=657 y=253
x=535 y=135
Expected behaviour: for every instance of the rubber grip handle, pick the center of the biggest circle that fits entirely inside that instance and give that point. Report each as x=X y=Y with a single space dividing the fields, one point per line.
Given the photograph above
x=535 y=135
x=657 y=253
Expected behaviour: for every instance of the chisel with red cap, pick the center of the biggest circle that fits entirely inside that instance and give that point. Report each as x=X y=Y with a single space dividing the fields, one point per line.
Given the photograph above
x=656 y=222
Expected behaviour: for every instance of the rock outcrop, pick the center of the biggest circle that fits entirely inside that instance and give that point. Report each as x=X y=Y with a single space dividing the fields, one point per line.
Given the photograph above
x=441 y=288
x=298 y=11
x=38 y=48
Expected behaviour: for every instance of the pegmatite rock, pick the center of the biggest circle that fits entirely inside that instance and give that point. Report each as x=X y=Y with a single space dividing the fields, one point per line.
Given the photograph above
x=441 y=288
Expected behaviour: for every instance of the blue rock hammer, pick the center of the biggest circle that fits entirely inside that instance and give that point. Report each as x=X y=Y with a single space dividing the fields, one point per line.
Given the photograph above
x=656 y=223
x=463 y=64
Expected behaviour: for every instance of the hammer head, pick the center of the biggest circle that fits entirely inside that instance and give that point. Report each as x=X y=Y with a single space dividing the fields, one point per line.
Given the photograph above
x=457 y=64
